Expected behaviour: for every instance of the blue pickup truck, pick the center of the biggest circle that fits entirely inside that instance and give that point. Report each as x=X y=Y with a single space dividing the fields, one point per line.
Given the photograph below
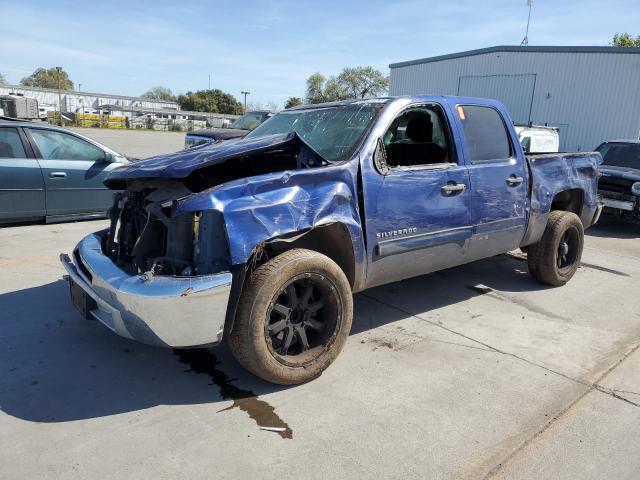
x=262 y=241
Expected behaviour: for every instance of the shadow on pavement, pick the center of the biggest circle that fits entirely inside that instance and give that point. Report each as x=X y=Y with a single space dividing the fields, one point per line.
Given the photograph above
x=56 y=367
x=609 y=228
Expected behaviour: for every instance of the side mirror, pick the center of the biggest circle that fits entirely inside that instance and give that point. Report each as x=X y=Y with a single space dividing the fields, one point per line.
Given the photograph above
x=109 y=157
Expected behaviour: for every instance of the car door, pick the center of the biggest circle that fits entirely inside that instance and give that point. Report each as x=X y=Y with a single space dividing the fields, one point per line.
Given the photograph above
x=416 y=198
x=499 y=187
x=21 y=182
x=74 y=171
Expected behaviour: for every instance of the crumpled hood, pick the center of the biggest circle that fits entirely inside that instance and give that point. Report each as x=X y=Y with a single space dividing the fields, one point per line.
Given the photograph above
x=181 y=164
x=627 y=173
x=220 y=133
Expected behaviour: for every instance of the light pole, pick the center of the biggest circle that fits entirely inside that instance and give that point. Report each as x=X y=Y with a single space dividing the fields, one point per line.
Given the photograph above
x=245 y=99
x=525 y=40
x=209 y=81
x=79 y=87
x=59 y=70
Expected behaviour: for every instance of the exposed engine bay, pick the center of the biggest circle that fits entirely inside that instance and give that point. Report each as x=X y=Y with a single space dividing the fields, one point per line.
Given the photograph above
x=144 y=236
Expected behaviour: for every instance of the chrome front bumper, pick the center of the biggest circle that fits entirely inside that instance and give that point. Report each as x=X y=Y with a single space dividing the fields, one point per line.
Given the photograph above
x=164 y=311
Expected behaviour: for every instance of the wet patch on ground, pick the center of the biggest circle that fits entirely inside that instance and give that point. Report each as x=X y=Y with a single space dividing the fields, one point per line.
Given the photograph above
x=203 y=361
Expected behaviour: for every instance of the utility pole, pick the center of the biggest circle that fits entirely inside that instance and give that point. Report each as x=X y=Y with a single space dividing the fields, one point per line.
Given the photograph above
x=525 y=40
x=59 y=70
x=209 y=81
x=245 y=99
x=79 y=87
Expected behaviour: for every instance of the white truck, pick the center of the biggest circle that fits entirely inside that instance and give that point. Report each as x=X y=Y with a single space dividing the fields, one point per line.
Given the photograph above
x=538 y=138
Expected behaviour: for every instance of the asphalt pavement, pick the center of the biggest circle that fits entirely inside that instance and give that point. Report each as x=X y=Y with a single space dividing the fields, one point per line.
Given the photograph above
x=471 y=372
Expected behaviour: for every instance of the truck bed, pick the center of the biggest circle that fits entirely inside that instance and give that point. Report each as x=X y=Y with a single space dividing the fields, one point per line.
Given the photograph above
x=552 y=173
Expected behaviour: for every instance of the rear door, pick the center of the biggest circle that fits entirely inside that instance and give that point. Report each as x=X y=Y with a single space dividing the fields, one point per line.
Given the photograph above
x=74 y=171
x=498 y=178
x=21 y=183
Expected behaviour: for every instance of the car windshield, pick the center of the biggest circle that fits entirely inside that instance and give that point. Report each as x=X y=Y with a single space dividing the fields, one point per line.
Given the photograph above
x=248 y=121
x=620 y=154
x=333 y=132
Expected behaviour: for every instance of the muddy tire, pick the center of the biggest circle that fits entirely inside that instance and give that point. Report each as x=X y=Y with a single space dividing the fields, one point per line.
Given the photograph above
x=556 y=256
x=293 y=318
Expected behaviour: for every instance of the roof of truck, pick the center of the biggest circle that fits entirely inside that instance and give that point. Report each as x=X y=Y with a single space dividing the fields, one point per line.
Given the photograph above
x=411 y=98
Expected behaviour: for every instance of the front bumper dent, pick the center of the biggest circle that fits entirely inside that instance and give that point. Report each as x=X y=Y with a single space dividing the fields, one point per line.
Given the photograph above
x=163 y=311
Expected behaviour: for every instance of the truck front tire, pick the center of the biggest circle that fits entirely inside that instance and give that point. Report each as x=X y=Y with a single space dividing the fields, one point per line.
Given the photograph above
x=554 y=259
x=293 y=317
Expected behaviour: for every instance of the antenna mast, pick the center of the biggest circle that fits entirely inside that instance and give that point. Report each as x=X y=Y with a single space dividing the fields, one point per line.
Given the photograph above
x=525 y=40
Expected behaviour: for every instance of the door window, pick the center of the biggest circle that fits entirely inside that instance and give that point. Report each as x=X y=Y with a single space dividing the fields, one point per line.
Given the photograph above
x=417 y=137
x=485 y=134
x=10 y=144
x=62 y=146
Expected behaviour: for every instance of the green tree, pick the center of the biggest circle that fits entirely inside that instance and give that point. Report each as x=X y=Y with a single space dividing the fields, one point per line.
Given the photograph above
x=335 y=91
x=315 y=88
x=160 y=93
x=3 y=81
x=355 y=82
x=293 y=102
x=48 y=78
x=625 y=40
x=214 y=101
x=362 y=82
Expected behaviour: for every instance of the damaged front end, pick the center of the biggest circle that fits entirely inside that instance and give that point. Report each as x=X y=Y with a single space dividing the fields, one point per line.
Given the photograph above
x=162 y=272
x=148 y=277
x=147 y=237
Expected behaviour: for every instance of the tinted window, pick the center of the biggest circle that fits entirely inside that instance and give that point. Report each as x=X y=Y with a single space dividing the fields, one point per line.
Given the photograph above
x=10 y=144
x=62 y=146
x=248 y=121
x=485 y=133
x=620 y=154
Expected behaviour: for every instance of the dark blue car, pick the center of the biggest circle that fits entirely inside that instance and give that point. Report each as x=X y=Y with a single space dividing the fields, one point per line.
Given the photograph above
x=262 y=241
x=619 y=184
x=52 y=173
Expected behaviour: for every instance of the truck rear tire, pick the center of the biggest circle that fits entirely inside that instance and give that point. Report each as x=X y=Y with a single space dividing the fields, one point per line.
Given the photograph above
x=556 y=256
x=293 y=317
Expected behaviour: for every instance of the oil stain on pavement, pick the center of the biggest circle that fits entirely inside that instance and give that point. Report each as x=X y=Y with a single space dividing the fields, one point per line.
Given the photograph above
x=203 y=361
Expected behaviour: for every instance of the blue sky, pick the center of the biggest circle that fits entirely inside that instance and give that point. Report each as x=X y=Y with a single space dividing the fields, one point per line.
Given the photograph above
x=270 y=48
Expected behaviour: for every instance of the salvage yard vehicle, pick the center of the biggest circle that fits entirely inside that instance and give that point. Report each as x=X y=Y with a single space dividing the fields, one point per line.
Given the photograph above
x=263 y=241
x=52 y=173
x=619 y=184
x=538 y=138
x=239 y=128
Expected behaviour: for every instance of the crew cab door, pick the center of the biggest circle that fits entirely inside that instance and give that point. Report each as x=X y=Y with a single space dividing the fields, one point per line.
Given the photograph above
x=21 y=183
x=74 y=171
x=498 y=174
x=416 y=198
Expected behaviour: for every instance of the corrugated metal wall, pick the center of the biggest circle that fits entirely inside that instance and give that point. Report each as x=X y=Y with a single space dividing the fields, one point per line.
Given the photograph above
x=591 y=97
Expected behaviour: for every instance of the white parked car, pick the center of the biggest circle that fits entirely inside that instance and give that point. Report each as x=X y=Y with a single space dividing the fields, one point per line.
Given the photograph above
x=538 y=138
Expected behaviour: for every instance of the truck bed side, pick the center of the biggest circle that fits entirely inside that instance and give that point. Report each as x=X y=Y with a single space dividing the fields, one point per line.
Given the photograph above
x=561 y=181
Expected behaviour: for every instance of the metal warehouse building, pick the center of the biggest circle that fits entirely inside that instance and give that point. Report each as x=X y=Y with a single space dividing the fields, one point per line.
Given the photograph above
x=591 y=94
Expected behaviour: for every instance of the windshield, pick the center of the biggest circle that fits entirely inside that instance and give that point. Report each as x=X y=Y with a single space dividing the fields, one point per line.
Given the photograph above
x=620 y=154
x=333 y=132
x=248 y=121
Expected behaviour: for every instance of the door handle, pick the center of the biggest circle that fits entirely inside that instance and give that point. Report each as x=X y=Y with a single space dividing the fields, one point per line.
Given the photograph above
x=452 y=188
x=57 y=175
x=514 y=181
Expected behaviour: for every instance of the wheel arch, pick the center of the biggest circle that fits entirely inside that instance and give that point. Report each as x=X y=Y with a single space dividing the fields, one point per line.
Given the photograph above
x=332 y=239
x=570 y=200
